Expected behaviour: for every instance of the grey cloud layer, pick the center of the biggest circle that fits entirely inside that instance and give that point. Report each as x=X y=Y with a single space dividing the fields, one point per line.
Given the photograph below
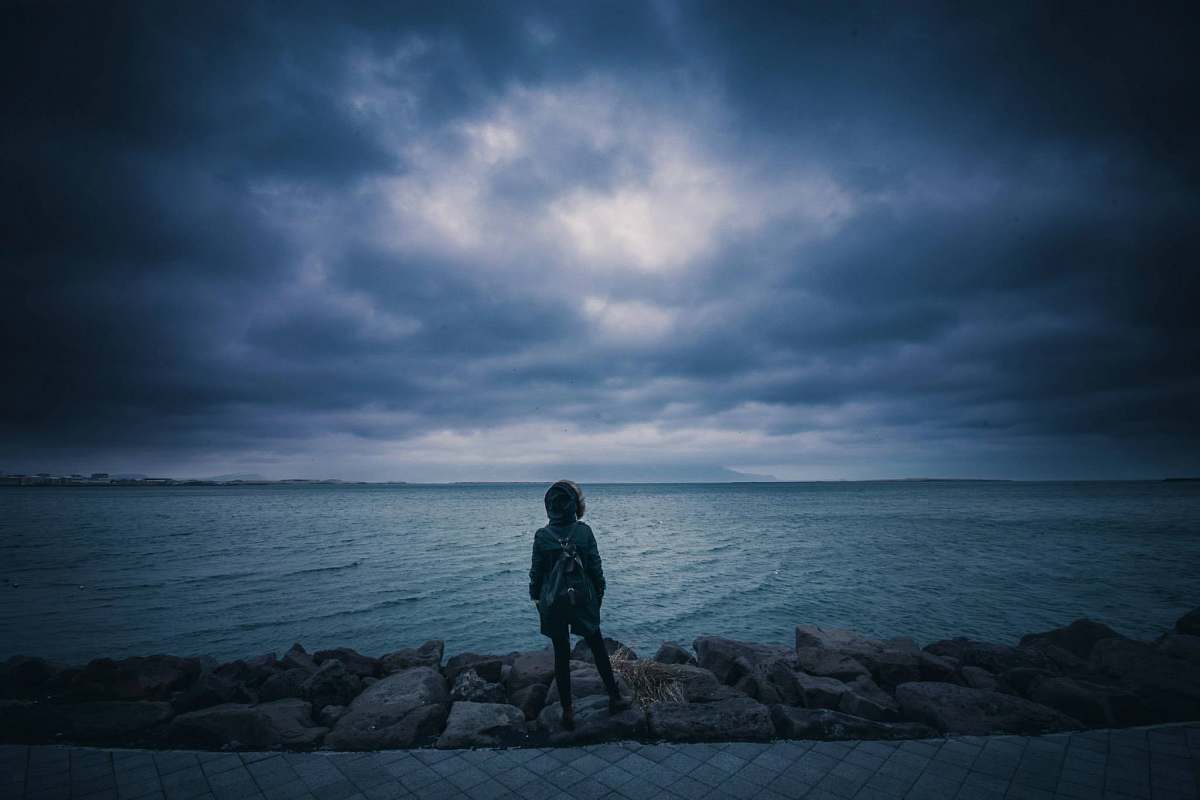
x=468 y=242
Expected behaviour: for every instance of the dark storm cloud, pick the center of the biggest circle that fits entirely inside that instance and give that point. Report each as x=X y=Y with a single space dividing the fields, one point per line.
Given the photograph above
x=442 y=240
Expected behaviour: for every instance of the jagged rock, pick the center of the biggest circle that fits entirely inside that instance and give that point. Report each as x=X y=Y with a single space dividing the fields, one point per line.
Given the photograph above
x=331 y=684
x=980 y=678
x=1189 y=623
x=735 y=718
x=329 y=715
x=830 y=664
x=671 y=653
x=958 y=709
x=1169 y=687
x=593 y=723
x=266 y=661
x=818 y=692
x=865 y=699
x=582 y=652
x=1020 y=678
x=397 y=711
x=470 y=687
x=298 y=658
x=759 y=687
x=354 y=662
x=585 y=681
x=730 y=659
x=530 y=700
x=457 y=663
x=136 y=678
x=890 y=661
x=938 y=668
x=995 y=658
x=1182 y=646
x=482 y=725
x=1091 y=703
x=428 y=654
x=24 y=676
x=1078 y=638
x=249 y=673
x=289 y=683
x=696 y=684
x=819 y=723
x=280 y=724
x=212 y=689
x=530 y=667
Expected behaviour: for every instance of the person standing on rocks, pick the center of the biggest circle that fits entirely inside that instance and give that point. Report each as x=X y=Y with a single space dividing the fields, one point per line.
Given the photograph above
x=566 y=583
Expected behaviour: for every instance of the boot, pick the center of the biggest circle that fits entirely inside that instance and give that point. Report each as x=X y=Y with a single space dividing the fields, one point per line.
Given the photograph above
x=568 y=718
x=617 y=702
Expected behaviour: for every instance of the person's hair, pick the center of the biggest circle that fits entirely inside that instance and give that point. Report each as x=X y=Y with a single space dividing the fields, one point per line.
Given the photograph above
x=573 y=488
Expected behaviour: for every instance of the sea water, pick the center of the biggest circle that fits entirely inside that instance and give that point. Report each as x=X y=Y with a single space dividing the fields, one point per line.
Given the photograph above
x=239 y=570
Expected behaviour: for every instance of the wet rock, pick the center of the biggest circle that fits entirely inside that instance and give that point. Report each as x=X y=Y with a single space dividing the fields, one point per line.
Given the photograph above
x=331 y=685
x=863 y=698
x=1189 y=623
x=298 y=658
x=354 y=662
x=428 y=654
x=1078 y=638
x=137 y=678
x=818 y=692
x=959 y=709
x=400 y=710
x=1169 y=687
x=738 y=718
x=593 y=723
x=819 y=723
x=469 y=686
x=995 y=658
x=329 y=715
x=980 y=678
x=279 y=724
x=289 y=683
x=830 y=664
x=730 y=659
x=530 y=667
x=483 y=725
x=530 y=700
x=671 y=653
x=24 y=676
x=582 y=652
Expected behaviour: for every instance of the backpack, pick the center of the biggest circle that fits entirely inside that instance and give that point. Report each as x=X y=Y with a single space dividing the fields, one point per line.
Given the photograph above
x=567 y=585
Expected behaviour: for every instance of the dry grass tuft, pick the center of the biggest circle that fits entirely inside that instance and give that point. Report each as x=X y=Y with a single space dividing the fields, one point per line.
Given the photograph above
x=650 y=680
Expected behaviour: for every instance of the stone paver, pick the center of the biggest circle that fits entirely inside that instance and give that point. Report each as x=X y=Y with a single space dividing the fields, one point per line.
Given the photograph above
x=1158 y=763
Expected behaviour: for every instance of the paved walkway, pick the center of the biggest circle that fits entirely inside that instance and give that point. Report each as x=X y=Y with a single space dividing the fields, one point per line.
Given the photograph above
x=1160 y=762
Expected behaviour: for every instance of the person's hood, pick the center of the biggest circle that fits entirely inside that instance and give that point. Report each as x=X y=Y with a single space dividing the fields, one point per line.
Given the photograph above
x=563 y=503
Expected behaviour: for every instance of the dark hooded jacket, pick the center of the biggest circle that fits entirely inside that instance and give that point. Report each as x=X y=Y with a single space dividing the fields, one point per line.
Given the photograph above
x=584 y=618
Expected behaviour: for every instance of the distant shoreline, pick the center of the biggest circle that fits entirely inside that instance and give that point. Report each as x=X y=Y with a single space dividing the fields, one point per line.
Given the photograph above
x=51 y=481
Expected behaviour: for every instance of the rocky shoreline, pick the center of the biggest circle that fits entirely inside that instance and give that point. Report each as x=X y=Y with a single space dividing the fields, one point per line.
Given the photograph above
x=831 y=684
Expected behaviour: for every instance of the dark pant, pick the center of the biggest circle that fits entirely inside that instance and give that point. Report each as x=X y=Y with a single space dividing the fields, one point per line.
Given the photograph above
x=562 y=665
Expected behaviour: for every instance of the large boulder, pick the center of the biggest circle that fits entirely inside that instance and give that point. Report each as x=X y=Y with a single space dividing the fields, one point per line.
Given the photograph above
x=354 y=662
x=1094 y=704
x=739 y=718
x=1180 y=645
x=695 y=684
x=470 y=687
x=672 y=653
x=530 y=667
x=593 y=723
x=1189 y=623
x=137 y=678
x=995 y=658
x=817 y=692
x=530 y=700
x=281 y=685
x=106 y=720
x=23 y=676
x=820 y=723
x=457 y=663
x=213 y=689
x=958 y=709
x=428 y=654
x=1078 y=638
x=730 y=659
x=980 y=678
x=585 y=681
x=400 y=710
x=830 y=664
x=298 y=658
x=1168 y=686
x=889 y=661
x=483 y=725
x=583 y=652
x=281 y=724
x=331 y=685
x=863 y=698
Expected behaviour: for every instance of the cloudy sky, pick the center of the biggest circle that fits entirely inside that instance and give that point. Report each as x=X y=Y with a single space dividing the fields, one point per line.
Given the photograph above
x=635 y=241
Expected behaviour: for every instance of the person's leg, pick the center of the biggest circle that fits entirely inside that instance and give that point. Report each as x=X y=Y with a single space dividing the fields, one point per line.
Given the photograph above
x=603 y=664
x=562 y=667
